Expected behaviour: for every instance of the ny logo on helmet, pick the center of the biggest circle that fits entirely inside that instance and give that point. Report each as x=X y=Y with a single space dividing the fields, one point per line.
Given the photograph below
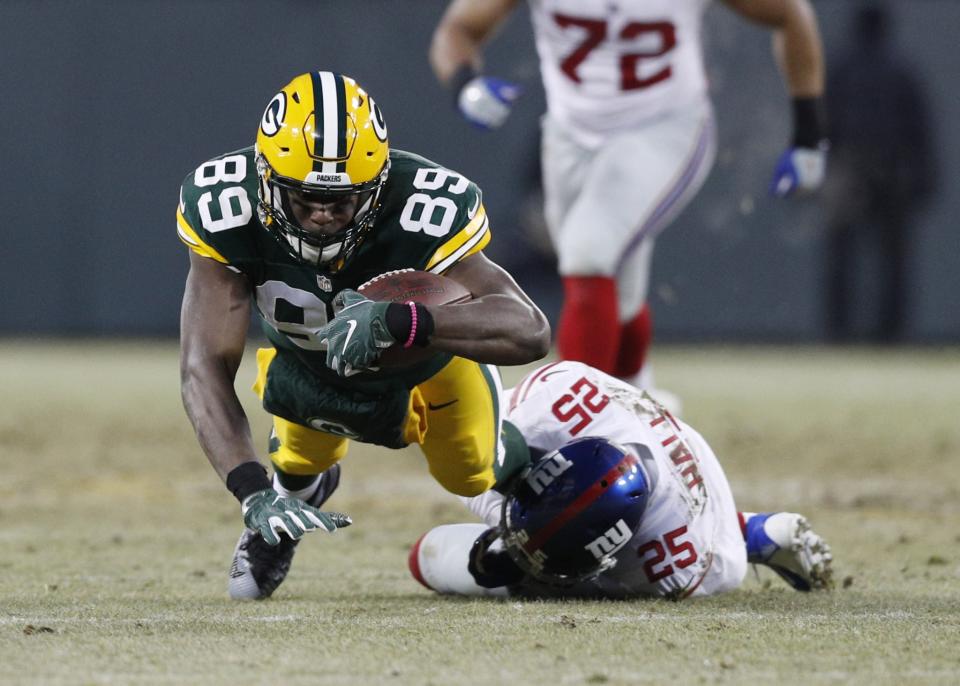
x=547 y=471
x=615 y=538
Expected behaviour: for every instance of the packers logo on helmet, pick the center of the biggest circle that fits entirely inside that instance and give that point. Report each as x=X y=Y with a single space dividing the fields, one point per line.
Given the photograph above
x=322 y=138
x=274 y=115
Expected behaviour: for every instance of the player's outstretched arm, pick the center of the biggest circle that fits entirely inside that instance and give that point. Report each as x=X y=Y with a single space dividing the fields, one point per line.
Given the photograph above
x=213 y=329
x=799 y=51
x=501 y=325
x=456 y=55
x=214 y=318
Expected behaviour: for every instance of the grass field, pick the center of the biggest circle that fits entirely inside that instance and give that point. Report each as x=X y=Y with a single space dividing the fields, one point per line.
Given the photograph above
x=117 y=536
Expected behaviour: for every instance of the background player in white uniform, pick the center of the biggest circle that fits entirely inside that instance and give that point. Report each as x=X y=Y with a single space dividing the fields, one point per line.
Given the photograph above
x=628 y=138
x=690 y=540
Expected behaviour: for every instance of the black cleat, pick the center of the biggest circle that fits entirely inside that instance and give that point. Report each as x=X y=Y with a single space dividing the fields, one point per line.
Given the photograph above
x=258 y=568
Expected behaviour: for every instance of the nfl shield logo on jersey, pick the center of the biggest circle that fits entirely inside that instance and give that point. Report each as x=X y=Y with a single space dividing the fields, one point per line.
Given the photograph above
x=323 y=282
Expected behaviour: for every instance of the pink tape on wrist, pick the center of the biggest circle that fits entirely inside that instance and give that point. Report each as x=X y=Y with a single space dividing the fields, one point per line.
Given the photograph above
x=413 y=324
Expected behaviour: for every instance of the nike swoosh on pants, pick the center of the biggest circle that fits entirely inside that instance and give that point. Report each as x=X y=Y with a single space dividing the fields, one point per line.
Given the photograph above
x=441 y=405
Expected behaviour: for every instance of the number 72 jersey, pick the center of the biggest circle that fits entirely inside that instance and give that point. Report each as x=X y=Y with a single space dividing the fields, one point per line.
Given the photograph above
x=430 y=218
x=612 y=65
x=689 y=540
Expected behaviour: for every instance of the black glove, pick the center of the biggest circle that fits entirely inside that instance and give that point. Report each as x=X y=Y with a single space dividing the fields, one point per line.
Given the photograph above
x=492 y=568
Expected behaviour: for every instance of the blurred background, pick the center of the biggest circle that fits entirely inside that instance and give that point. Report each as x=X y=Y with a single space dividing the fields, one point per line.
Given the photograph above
x=107 y=104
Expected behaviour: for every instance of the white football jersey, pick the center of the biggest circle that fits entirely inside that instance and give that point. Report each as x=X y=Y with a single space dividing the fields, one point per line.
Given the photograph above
x=610 y=65
x=689 y=540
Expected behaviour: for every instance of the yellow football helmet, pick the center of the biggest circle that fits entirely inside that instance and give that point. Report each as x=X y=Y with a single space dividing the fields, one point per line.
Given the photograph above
x=323 y=136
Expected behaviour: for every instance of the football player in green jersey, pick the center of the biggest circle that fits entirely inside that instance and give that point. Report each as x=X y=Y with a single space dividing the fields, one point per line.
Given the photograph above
x=293 y=226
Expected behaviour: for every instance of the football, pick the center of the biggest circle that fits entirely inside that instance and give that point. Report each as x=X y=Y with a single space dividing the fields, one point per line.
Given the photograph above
x=403 y=285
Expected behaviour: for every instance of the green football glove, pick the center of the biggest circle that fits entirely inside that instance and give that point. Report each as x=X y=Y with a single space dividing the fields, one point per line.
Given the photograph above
x=270 y=513
x=357 y=335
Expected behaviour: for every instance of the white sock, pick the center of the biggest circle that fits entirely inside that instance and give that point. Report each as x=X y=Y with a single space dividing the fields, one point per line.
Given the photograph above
x=303 y=494
x=439 y=561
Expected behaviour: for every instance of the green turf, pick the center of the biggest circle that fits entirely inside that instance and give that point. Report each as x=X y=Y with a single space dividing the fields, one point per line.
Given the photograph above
x=117 y=537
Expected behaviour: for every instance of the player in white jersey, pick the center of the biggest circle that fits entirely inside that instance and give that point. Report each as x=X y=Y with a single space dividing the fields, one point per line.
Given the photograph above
x=612 y=67
x=667 y=515
x=628 y=139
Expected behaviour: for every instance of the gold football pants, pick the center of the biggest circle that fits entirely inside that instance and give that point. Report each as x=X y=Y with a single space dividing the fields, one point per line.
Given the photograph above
x=454 y=416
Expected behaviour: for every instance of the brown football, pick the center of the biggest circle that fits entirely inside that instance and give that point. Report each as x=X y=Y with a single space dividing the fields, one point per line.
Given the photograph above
x=402 y=286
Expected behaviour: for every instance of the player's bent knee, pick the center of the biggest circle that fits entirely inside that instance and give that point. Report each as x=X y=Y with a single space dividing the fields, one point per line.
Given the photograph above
x=469 y=486
x=465 y=473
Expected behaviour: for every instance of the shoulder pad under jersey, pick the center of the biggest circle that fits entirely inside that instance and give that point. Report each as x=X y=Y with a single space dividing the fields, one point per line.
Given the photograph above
x=216 y=216
x=431 y=217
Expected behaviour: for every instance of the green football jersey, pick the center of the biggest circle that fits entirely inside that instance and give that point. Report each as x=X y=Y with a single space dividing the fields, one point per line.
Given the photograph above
x=430 y=218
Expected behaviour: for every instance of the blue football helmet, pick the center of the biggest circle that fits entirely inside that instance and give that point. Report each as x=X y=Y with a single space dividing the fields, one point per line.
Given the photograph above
x=571 y=512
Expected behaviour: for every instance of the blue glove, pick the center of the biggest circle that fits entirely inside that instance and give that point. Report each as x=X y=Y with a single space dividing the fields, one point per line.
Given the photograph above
x=357 y=335
x=800 y=171
x=486 y=101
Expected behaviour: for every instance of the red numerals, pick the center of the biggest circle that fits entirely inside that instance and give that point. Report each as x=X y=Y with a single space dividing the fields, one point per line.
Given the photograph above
x=677 y=548
x=628 y=63
x=596 y=32
x=649 y=564
x=583 y=401
x=682 y=555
